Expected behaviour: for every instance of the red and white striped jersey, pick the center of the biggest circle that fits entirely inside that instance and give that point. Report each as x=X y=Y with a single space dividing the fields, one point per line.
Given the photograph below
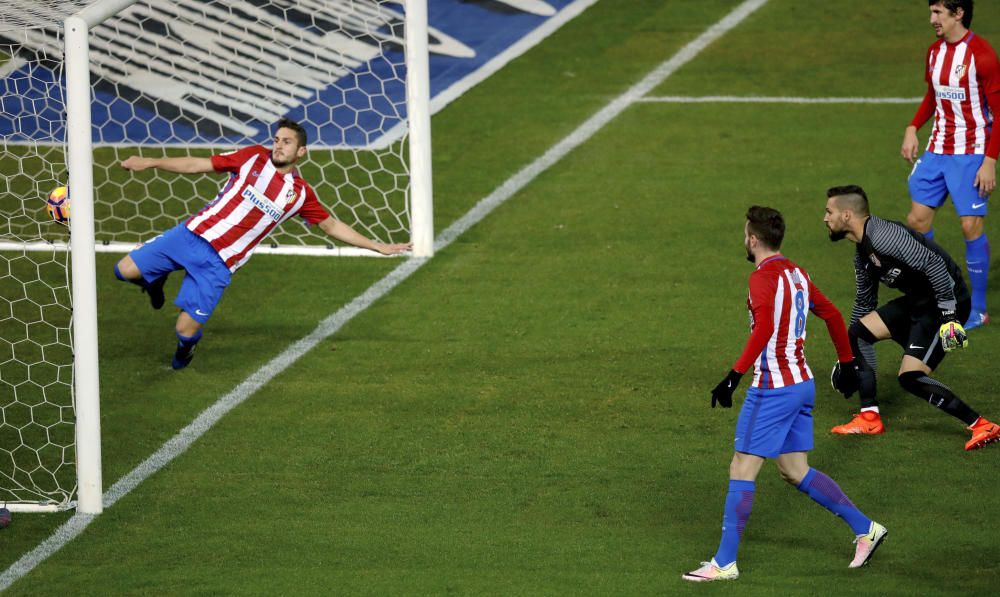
x=781 y=297
x=963 y=80
x=254 y=200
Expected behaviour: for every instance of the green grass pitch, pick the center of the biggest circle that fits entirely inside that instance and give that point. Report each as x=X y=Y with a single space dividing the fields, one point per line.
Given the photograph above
x=529 y=413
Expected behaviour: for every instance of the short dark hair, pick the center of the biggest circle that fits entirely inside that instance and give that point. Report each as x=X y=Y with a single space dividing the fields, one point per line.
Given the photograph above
x=288 y=123
x=767 y=225
x=850 y=197
x=953 y=5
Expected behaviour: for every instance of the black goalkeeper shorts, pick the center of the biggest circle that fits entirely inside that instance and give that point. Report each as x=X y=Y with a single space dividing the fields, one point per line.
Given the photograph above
x=914 y=325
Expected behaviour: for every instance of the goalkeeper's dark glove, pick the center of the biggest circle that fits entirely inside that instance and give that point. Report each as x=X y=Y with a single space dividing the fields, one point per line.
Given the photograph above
x=846 y=377
x=723 y=393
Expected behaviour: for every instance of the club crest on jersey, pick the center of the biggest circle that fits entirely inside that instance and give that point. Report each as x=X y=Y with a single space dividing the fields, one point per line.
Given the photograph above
x=960 y=71
x=262 y=203
x=875 y=260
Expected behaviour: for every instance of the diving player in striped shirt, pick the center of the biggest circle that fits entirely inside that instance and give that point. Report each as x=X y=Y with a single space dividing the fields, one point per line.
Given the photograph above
x=776 y=418
x=264 y=189
x=924 y=321
x=963 y=95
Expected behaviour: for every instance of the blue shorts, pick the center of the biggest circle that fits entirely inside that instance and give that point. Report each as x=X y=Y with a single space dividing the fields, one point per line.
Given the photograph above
x=776 y=421
x=936 y=176
x=206 y=275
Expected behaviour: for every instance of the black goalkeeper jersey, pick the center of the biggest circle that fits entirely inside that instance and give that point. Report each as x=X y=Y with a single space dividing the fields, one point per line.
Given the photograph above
x=901 y=258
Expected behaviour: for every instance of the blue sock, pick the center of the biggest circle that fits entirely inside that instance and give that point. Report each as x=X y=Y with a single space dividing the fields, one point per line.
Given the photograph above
x=825 y=492
x=739 y=503
x=188 y=341
x=929 y=234
x=185 y=350
x=977 y=259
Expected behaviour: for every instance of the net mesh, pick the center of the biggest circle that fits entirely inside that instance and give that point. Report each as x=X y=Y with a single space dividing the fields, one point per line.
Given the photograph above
x=36 y=402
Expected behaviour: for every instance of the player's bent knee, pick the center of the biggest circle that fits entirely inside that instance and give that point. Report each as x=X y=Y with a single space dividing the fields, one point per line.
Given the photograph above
x=793 y=467
x=126 y=269
x=972 y=227
x=917 y=222
x=186 y=325
x=791 y=477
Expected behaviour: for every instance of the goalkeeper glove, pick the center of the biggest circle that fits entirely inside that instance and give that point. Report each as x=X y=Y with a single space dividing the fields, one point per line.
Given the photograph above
x=845 y=377
x=953 y=336
x=723 y=393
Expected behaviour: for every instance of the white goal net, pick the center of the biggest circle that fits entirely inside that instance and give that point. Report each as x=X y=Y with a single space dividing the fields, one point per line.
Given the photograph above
x=36 y=404
x=195 y=77
x=187 y=77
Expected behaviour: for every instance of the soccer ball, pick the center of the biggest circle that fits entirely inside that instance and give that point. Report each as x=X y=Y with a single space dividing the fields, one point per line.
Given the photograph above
x=57 y=205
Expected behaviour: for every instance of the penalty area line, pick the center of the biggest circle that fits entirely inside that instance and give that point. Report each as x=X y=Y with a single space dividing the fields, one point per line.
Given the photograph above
x=186 y=437
x=750 y=99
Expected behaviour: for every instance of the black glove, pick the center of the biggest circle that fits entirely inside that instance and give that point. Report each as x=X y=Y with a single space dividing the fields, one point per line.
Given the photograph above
x=846 y=378
x=723 y=393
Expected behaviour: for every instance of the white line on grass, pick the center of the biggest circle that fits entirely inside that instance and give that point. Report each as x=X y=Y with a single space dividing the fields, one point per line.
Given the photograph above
x=749 y=99
x=178 y=444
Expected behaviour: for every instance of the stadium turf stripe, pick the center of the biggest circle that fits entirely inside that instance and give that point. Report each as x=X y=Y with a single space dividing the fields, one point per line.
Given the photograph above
x=179 y=444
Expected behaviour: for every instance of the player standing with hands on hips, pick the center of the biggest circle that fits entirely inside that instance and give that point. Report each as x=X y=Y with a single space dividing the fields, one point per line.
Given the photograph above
x=776 y=418
x=924 y=321
x=264 y=189
x=963 y=94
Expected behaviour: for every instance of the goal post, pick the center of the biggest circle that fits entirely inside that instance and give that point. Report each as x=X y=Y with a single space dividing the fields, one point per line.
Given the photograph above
x=80 y=166
x=418 y=100
x=99 y=80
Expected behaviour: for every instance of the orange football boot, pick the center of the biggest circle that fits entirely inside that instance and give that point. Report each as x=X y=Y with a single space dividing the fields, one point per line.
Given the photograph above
x=983 y=432
x=865 y=423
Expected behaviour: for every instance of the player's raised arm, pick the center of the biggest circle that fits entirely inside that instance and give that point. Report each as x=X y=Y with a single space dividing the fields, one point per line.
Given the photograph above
x=181 y=165
x=344 y=233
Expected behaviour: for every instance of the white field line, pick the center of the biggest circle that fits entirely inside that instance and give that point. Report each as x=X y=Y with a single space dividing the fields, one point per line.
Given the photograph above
x=749 y=99
x=187 y=436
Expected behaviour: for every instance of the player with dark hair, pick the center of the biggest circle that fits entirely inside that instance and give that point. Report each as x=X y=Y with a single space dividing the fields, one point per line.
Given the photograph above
x=963 y=93
x=925 y=321
x=776 y=418
x=264 y=189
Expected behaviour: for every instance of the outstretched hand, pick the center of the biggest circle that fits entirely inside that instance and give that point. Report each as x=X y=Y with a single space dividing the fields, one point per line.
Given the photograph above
x=986 y=177
x=136 y=163
x=911 y=145
x=393 y=249
x=723 y=392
